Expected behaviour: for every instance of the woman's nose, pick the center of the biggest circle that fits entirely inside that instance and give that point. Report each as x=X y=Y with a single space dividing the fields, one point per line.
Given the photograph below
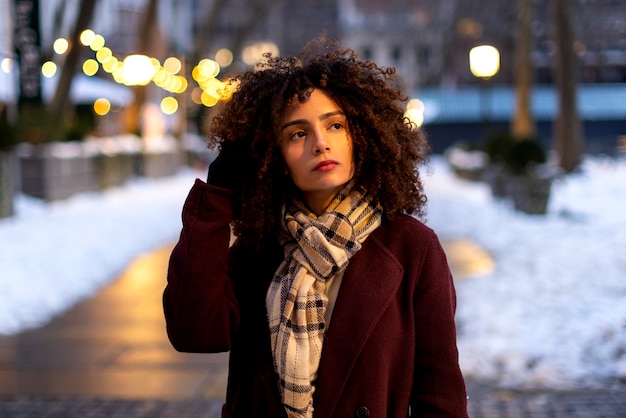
x=321 y=143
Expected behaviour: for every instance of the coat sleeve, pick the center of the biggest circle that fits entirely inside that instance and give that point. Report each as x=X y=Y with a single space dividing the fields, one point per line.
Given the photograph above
x=438 y=387
x=200 y=307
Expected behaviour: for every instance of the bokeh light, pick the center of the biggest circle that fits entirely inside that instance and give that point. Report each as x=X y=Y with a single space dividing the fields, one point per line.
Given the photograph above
x=137 y=70
x=90 y=67
x=172 y=65
x=207 y=69
x=415 y=112
x=6 y=65
x=104 y=54
x=97 y=43
x=169 y=105
x=224 y=57
x=111 y=64
x=208 y=100
x=48 y=69
x=87 y=36
x=196 y=95
x=60 y=46
x=102 y=106
x=484 y=61
x=253 y=54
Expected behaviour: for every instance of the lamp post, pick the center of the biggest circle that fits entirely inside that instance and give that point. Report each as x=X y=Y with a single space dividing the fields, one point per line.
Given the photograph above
x=484 y=63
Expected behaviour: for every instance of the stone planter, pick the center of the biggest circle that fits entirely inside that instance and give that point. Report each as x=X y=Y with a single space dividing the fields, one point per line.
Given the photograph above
x=529 y=194
x=112 y=170
x=6 y=185
x=467 y=165
x=496 y=176
x=157 y=164
x=51 y=175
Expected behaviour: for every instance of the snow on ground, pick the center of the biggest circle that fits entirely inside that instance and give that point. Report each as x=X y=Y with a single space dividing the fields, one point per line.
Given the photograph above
x=551 y=314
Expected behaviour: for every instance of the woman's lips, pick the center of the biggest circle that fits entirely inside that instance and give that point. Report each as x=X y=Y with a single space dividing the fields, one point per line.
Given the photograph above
x=325 y=165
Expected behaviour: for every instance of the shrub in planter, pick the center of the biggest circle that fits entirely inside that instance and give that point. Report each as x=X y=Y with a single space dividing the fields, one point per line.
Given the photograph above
x=524 y=155
x=529 y=182
x=497 y=147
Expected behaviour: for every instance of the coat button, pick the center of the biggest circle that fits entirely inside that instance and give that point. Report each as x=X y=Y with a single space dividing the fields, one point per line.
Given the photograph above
x=362 y=412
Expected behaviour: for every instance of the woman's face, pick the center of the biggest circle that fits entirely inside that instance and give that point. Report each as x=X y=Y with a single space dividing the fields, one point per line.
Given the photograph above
x=317 y=148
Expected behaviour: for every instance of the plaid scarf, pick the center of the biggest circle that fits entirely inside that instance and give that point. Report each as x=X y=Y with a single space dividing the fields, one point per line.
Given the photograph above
x=316 y=248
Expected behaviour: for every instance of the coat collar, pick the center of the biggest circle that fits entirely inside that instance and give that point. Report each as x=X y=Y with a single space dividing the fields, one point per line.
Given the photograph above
x=368 y=286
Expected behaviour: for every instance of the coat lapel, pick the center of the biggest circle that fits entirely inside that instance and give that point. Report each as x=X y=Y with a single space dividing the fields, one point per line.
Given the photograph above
x=367 y=288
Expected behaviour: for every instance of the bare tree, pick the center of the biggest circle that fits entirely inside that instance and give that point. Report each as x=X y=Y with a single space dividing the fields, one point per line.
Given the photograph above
x=255 y=11
x=258 y=11
x=59 y=103
x=568 y=135
x=203 y=37
x=523 y=125
x=146 y=30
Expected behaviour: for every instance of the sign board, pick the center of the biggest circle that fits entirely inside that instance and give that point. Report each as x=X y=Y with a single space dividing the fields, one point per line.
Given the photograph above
x=26 y=37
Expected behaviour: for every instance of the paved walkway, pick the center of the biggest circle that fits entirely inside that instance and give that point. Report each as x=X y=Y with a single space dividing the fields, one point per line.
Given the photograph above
x=109 y=357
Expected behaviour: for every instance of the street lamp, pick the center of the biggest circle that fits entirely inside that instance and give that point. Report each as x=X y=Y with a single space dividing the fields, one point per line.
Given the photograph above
x=484 y=64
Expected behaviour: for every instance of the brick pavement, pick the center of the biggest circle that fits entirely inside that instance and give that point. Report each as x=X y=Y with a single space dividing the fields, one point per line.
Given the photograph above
x=484 y=403
x=109 y=357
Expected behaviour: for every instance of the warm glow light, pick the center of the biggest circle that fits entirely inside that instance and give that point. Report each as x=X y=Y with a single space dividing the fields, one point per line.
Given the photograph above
x=182 y=87
x=155 y=63
x=169 y=105
x=172 y=65
x=484 y=61
x=228 y=88
x=137 y=70
x=208 y=100
x=48 y=69
x=97 y=43
x=104 y=54
x=415 y=112
x=87 y=36
x=196 y=95
x=253 y=54
x=90 y=67
x=160 y=77
x=207 y=69
x=224 y=57
x=60 y=46
x=110 y=64
x=102 y=106
x=415 y=116
x=118 y=73
x=415 y=104
x=213 y=87
x=6 y=65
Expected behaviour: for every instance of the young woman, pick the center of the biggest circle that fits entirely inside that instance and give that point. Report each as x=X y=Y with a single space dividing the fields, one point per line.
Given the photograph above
x=333 y=301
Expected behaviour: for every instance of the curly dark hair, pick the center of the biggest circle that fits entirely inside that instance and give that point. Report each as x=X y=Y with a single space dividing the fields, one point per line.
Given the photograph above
x=388 y=148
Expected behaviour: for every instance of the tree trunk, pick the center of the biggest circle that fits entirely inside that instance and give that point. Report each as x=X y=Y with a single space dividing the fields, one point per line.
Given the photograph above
x=257 y=13
x=59 y=102
x=202 y=40
x=146 y=31
x=568 y=136
x=523 y=125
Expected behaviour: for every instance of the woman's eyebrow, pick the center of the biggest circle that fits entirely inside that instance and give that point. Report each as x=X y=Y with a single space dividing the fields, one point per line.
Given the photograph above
x=293 y=122
x=331 y=114
x=304 y=121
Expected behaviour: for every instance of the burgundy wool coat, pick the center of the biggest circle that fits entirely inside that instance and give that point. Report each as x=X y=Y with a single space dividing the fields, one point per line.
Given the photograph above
x=390 y=349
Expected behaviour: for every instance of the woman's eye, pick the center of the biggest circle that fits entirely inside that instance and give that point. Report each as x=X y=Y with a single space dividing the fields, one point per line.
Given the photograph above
x=336 y=126
x=298 y=135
